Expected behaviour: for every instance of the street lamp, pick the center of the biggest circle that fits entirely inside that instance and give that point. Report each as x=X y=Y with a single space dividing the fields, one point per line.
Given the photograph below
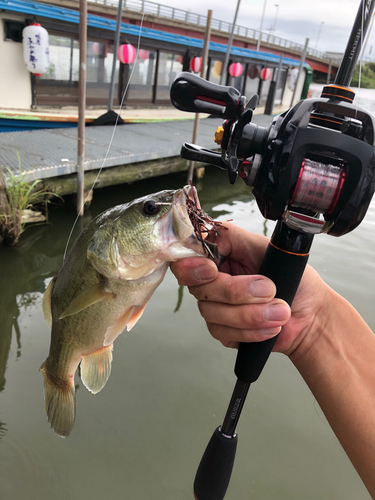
x=317 y=39
x=274 y=23
x=261 y=24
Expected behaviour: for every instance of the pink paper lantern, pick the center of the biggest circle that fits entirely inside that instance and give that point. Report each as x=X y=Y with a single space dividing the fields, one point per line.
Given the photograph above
x=144 y=54
x=265 y=73
x=126 y=53
x=235 y=69
x=196 y=64
x=96 y=48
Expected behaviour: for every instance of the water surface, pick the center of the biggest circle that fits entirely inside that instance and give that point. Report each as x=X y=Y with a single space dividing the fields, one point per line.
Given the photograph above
x=142 y=437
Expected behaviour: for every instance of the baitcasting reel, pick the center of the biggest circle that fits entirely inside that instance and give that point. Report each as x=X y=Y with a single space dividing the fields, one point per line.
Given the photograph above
x=317 y=158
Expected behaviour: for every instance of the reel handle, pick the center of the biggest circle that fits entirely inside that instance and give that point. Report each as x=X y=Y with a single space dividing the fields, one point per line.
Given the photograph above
x=192 y=93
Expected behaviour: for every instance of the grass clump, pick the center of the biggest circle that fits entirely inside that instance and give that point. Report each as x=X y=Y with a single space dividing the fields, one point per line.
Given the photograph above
x=18 y=197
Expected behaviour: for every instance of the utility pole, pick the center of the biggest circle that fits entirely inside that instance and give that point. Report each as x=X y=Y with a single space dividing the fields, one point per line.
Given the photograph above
x=81 y=104
x=206 y=44
x=226 y=60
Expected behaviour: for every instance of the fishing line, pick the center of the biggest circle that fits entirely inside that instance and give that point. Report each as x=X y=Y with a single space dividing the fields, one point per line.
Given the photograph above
x=363 y=50
x=112 y=137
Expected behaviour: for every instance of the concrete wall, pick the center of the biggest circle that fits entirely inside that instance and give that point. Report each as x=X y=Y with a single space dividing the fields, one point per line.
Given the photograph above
x=15 y=81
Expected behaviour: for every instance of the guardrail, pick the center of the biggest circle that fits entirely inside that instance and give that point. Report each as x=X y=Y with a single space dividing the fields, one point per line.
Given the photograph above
x=189 y=17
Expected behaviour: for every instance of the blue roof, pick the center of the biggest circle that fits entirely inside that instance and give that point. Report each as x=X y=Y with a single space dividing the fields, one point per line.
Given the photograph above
x=72 y=16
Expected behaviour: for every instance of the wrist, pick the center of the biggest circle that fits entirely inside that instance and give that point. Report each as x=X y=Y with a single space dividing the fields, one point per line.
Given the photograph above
x=318 y=338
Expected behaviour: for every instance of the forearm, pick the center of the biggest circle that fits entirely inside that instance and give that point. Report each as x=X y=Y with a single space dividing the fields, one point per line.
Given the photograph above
x=337 y=362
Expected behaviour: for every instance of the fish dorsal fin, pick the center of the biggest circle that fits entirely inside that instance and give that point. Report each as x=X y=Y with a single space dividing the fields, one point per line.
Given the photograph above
x=46 y=303
x=96 y=369
x=137 y=313
x=89 y=297
x=114 y=330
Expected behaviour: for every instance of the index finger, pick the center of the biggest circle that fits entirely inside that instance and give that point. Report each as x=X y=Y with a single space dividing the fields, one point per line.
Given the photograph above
x=194 y=271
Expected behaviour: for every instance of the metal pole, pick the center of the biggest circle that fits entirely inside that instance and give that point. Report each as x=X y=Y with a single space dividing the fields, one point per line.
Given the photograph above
x=81 y=104
x=274 y=23
x=300 y=69
x=115 y=47
x=203 y=69
x=317 y=39
x=329 y=72
x=225 y=65
x=261 y=24
x=273 y=89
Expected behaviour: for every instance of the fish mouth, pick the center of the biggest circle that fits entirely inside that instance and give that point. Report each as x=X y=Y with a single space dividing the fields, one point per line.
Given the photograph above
x=183 y=202
x=193 y=225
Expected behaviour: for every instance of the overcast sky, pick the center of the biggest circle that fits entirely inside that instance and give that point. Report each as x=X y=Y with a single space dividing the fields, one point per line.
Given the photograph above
x=296 y=19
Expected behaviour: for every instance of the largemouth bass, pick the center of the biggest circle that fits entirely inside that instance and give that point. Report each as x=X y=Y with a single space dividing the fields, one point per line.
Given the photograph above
x=103 y=286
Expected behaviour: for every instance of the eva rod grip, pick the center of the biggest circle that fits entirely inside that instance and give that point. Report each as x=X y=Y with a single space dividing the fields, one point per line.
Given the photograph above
x=285 y=269
x=215 y=469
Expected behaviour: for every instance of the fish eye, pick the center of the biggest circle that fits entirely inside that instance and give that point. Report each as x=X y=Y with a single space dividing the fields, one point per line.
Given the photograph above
x=151 y=207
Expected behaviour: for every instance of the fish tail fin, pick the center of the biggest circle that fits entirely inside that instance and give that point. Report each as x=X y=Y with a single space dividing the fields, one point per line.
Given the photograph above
x=96 y=369
x=60 y=403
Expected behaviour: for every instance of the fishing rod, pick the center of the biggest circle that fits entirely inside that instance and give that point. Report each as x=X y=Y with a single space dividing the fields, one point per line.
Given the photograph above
x=312 y=170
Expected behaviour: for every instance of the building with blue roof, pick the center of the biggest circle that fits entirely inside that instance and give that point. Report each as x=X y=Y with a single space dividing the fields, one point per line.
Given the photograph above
x=161 y=57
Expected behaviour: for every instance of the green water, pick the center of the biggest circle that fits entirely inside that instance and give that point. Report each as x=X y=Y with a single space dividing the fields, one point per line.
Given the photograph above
x=142 y=437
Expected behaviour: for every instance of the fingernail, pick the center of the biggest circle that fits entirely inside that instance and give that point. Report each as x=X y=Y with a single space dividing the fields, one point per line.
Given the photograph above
x=276 y=312
x=271 y=332
x=261 y=288
x=204 y=272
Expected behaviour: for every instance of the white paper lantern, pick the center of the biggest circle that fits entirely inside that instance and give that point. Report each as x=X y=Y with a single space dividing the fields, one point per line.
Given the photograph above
x=35 y=48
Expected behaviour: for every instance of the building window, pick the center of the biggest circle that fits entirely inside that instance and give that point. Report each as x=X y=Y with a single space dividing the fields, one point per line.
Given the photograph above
x=215 y=71
x=143 y=77
x=13 y=30
x=170 y=65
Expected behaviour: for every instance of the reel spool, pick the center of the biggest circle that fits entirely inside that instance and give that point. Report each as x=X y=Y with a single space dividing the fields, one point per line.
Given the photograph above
x=319 y=186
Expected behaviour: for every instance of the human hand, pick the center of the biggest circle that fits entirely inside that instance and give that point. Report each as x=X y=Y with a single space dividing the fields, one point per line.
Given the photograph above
x=239 y=305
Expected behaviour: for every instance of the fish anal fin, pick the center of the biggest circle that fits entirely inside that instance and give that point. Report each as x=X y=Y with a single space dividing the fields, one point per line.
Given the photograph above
x=96 y=369
x=46 y=303
x=113 y=331
x=89 y=297
x=137 y=313
x=60 y=403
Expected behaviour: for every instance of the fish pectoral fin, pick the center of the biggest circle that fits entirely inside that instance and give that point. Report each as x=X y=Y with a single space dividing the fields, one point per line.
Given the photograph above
x=128 y=319
x=96 y=369
x=137 y=313
x=89 y=297
x=118 y=327
x=46 y=303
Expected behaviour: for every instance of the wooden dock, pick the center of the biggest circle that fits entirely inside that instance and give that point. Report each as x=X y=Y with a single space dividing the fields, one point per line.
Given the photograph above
x=133 y=152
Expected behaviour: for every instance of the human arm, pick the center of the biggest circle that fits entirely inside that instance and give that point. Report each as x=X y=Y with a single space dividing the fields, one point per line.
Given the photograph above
x=326 y=339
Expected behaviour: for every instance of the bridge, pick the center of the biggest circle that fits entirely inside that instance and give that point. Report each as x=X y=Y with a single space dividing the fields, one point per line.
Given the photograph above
x=188 y=24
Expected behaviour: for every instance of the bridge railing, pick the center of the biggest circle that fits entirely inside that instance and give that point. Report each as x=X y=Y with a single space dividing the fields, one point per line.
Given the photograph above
x=157 y=9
